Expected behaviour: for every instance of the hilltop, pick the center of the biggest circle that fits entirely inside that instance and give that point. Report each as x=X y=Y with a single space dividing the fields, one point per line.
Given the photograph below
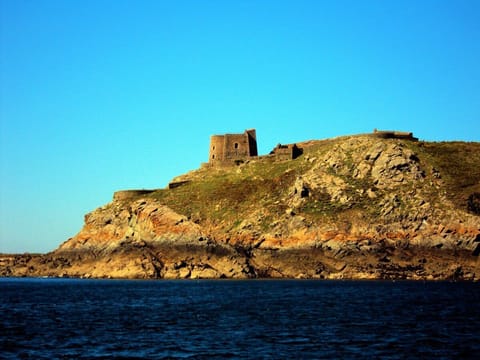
x=357 y=207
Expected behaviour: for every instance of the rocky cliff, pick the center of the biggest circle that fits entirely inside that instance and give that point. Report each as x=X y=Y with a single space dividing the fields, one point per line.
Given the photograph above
x=353 y=207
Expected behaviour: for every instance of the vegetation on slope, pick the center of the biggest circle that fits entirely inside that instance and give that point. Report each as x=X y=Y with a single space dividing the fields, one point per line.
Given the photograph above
x=457 y=164
x=263 y=189
x=226 y=195
x=352 y=207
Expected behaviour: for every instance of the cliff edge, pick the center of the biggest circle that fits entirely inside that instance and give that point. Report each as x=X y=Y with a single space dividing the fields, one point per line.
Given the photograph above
x=357 y=207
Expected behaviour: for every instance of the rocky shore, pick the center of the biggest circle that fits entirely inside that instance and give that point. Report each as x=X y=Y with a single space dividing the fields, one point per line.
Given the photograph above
x=348 y=208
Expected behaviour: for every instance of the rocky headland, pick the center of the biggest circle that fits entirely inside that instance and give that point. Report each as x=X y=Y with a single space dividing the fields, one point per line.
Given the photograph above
x=356 y=207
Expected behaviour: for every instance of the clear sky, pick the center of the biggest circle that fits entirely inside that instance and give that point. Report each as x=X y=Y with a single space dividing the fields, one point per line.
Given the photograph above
x=98 y=96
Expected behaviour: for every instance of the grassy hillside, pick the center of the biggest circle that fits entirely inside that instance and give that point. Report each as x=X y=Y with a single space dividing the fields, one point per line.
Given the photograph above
x=459 y=166
x=226 y=196
x=355 y=207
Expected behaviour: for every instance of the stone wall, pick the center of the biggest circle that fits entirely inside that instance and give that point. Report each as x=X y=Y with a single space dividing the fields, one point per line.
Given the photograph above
x=232 y=147
x=217 y=150
x=388 y=134
x=236 y=147
x=286 y=152
x=129 y=194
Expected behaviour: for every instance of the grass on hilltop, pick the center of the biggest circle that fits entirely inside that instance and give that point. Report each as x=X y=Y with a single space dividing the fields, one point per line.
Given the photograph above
x=458 y=164
x=228 y=195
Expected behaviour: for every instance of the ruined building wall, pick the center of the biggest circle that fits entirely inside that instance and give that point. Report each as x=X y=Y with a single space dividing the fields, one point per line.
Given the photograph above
x=286 y=152
x=217 y=149
x=252 y=141
x=388 y=134
x=236 y=146
x=231 y=147
x=129 y=194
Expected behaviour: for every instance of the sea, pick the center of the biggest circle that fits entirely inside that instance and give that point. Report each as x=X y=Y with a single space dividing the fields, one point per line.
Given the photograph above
x=238 y=319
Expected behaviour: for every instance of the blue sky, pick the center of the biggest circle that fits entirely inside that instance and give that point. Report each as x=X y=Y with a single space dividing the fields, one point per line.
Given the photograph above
x=98 y=96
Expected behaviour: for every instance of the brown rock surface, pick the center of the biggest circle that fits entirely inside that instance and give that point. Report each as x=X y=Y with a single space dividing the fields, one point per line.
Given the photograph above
x=353 y=207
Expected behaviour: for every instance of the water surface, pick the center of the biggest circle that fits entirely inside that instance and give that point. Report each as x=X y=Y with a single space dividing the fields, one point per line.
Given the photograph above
x=99 y=319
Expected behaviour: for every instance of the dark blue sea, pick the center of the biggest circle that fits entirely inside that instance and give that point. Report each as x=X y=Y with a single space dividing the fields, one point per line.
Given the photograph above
x=227 y=319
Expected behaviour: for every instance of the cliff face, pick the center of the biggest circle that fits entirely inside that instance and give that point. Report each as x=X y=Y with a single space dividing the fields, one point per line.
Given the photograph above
x=352 y=207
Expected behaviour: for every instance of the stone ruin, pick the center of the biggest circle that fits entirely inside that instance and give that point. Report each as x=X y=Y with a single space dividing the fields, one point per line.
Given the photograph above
x=389 y=134
x=286 y=152
x=230 y=149
x=234 y=149
x=130 y=194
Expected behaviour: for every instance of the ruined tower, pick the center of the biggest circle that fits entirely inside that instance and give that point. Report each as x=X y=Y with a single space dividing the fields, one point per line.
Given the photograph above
x=231 y=147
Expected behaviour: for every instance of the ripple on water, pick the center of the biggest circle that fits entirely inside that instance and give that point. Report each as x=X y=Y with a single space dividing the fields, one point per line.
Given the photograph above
x=87 y=319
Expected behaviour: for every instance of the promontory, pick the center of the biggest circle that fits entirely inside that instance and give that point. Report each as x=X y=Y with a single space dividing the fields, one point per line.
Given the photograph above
x=375 y=206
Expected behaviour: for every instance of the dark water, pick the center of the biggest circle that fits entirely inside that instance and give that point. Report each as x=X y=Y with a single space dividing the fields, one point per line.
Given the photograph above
x=86 y=319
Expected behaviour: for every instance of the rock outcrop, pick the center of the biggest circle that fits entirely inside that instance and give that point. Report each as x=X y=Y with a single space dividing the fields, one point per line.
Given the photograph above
x=352 y=208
